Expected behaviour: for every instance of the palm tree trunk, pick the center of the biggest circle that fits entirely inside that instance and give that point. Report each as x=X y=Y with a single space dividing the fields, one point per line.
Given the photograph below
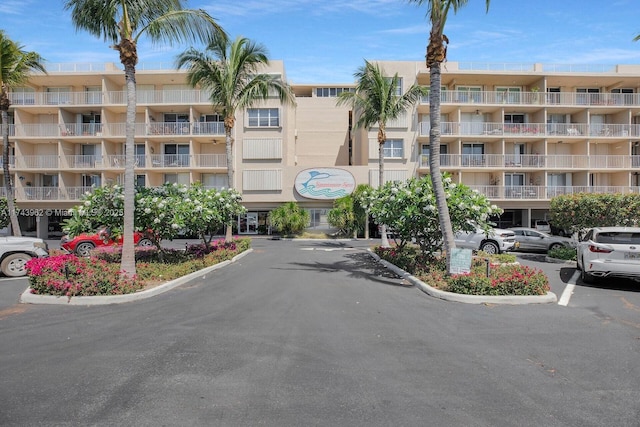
x=13 y=217
x=434 y=161
x=384 y=240
x=230 y=175
x=128 y=262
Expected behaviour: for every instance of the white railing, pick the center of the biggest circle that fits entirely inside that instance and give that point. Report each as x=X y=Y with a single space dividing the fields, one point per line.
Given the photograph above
x=536 y=161
x=533 y=129
x=536 y=98
x=37 y=162
x=183 y=96
x=210 y=160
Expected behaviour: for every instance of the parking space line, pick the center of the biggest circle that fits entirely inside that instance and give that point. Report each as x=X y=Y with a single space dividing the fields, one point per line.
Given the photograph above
x=568 y=291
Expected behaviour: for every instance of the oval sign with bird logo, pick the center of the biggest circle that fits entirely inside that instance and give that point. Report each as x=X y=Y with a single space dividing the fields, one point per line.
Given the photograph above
x=324 y=183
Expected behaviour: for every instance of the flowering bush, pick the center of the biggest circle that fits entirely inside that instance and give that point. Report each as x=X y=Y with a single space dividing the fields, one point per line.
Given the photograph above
x=409 y=209
x=503 y=279
x=69 y=275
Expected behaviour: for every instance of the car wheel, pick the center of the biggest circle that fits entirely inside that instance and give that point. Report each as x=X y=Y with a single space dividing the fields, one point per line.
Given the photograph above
x=84 y=249
x=145 y=243
x=14 y=265
x=586 y=277
x=555 y=246
x=490 y=248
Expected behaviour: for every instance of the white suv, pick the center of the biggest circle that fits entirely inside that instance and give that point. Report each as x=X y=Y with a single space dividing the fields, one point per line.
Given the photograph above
x=495 y=242
x=16 y=251
x=609 y=252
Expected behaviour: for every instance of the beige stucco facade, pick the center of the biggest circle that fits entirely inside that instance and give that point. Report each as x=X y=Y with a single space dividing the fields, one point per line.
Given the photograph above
x=520 y=133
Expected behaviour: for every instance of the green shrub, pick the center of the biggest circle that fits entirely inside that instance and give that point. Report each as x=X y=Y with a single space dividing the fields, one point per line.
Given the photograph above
x=289 y=218
x=564 y=252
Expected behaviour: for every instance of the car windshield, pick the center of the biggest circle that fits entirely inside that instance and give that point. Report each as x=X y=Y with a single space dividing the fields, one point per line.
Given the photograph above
x=619 y=238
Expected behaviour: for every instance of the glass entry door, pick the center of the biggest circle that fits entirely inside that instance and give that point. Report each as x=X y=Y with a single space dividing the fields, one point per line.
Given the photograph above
x=248 y=223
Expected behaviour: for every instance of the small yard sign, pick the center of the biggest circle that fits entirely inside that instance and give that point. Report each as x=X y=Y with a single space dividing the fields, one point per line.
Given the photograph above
x=460 y=261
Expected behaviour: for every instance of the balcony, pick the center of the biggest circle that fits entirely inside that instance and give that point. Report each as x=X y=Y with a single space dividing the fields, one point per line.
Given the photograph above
x=531 y=192
x=79 y=131
x=548 y=130
x=37 y=162
x=173 y=97
x=556 y=99
x=533 y=161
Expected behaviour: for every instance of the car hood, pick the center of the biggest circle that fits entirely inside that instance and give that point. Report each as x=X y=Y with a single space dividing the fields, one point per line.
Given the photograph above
x=12 y=240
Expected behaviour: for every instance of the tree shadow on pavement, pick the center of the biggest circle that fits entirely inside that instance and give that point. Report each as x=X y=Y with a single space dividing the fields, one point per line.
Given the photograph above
x=359 y=265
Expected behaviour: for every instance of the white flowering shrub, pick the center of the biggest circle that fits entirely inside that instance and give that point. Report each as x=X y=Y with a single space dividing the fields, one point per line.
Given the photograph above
x=409 y=209
x=162 y=213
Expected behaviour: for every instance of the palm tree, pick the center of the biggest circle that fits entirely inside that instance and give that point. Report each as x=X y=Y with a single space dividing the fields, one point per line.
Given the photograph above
x=438 y=11
x=15 y=66
x=123 y=23
x=231 y=73
x=376 y=100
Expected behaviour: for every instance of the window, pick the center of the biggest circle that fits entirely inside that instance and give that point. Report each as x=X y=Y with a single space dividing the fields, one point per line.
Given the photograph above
x=264 y=117
x=22 y=95
x=141 y=180
x=398 y=86
x=589 y=95
x=393 y=149
x=332 y=92
x=508 y=95
x=473 y=154
x=58 y=95
x=176 y=155
x=469 y=94
x=176 y=178
x=214 y=180
x=553 y=95
x=425 y=151
x=514 y=118
x=626 y=94
x=318 y=218
x=93 y=95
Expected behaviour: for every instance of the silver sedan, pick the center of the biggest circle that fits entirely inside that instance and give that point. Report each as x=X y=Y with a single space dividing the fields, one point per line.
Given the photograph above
x=531 y=239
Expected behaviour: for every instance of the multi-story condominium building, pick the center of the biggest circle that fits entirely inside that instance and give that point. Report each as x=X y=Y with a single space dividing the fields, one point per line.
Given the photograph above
x=521 y=134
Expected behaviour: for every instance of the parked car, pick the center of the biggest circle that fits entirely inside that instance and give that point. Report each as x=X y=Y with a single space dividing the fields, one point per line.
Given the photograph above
x=542 y=225
x=535 y=240
x=609 y=252
x=556 y=231
x=494 y=242
x=16 y=251
x=82 y=244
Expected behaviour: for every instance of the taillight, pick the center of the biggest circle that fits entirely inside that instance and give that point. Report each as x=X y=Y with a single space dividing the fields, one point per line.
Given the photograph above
x=599 y=249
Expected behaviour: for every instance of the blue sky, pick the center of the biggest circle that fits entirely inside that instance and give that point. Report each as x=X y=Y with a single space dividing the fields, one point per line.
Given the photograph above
x=325 y=41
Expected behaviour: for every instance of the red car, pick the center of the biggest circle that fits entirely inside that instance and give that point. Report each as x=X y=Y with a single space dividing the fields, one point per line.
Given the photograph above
x=83 y=243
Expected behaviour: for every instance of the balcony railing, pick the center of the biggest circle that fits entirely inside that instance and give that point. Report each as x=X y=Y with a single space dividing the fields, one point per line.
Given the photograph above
x=37 y=162
x=186 y=96
x=537 y=98
x=116 y=129
x=570 y=130
x=535 y=161
x=531 y=192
